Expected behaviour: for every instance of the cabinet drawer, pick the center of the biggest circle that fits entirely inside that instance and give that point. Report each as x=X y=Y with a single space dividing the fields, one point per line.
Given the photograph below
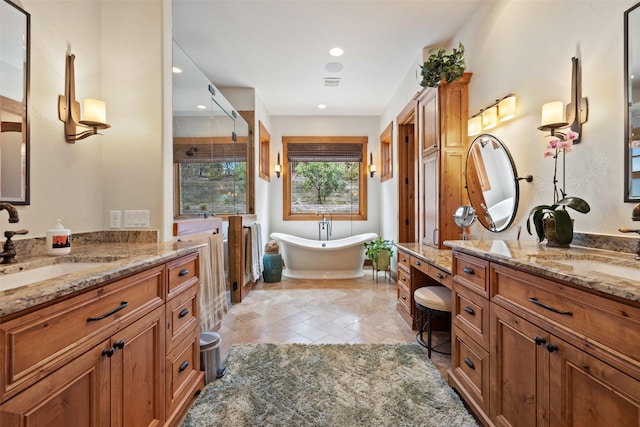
x=440 y=276
x=182 y=369
x=470 y=368
x=181 y=315
x=404 y=277
x=471 y=314
x=472 y=273
x=404 y=259
x=37 y=343
x=182 y=273
x=404 y=297
x=421 y=265
x=612 y=327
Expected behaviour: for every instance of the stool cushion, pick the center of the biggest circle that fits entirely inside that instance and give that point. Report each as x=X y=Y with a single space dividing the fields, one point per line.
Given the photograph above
x=433 y=297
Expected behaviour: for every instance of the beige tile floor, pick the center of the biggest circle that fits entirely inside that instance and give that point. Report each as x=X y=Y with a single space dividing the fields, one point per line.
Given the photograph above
x=320 y=311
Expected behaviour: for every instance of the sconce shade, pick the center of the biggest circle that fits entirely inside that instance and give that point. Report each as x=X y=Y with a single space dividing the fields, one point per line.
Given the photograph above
x=474 y=126
x=277 y=168
x=490 y=118
x=372 y=167
x=507 y=108
x=95 y=112
x=552 y=116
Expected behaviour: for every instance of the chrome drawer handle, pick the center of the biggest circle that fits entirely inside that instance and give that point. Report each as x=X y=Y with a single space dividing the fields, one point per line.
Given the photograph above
x=469 y=270
x=469 y=363
x=183 y=313
x=183 y=272
x=535 y=301
x=122 y=305
x=184 y=366
x=470 y=310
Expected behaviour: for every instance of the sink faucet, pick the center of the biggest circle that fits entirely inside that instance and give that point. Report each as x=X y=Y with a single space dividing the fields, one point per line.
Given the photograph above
x=13 y=212
x=635 y=216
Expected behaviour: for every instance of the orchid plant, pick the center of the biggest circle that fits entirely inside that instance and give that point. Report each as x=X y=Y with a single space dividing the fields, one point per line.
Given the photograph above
x=562 y=144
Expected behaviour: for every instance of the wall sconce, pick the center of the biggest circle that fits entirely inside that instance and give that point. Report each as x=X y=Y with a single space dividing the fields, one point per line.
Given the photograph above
x=489 y=117
x=554 y=114
x=372 y=167
x=277 y=168
x=95 y=115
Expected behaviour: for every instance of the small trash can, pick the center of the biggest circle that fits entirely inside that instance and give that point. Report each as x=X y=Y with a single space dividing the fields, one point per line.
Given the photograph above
x=210 y=361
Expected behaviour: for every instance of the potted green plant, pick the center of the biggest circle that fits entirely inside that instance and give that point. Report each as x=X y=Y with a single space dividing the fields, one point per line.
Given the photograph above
x=441 y=65
x=379 y=251
x=552 y=222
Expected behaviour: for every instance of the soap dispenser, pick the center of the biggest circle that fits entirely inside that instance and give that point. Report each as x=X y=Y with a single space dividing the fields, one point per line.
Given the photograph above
x=58 y=240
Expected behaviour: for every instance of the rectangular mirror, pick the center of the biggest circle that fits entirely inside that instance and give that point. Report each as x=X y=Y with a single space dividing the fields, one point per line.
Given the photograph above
x=632 y=104
x=14 y=94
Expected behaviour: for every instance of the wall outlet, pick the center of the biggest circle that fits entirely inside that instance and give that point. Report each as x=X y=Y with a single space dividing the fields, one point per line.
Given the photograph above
x=136 y=219
x=115 y=219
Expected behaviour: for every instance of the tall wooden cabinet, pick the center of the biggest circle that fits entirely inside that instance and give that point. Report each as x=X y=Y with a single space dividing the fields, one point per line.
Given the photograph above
x=443 y=142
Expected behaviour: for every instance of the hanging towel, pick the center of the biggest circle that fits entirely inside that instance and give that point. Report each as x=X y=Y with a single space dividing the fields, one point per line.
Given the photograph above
x=256 y=252
x=213 y=288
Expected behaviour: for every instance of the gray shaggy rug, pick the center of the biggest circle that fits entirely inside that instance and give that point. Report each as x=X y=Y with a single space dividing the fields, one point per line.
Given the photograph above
x=328 y=385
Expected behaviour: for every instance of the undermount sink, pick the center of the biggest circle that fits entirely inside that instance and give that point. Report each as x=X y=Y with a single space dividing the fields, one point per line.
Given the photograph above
x=27 y=277
x=584 y=266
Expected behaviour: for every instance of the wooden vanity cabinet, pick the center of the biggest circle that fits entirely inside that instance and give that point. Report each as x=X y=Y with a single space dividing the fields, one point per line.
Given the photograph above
x=558 y=355
x=98 y=358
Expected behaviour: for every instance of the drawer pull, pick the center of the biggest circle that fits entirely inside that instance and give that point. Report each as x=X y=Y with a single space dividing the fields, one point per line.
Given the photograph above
x=470 y=311
x=404 y=297
x=108 y=352
x=469 y=270
x=551 y=347
x=539 y=341
x=535 y=301
x=183 y=272
x=122 y=305
x=439 y=276
x=183 y=313
x=184 y=366
x=120 y=344
x=417 y=262
x=469 y=363
x=404 y=260
x=404 y=279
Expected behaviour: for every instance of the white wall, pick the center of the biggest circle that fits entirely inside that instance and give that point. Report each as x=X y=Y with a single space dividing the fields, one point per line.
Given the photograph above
x=525 y=47
x=325 y=126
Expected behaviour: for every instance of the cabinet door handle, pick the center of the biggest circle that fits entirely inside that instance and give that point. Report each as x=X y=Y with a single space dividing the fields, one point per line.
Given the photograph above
x=183 y=272
x=539 y=341
x=535 y=301
x=551 y=347
x=122 y=305
x=183 y=313
x=469 y=363
x=120 y=344
x=184 y=366
x=470 y=310
x=469 y=270
x=108 y=352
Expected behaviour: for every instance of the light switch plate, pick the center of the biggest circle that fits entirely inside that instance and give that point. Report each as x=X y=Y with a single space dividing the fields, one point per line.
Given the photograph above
x=115 y=219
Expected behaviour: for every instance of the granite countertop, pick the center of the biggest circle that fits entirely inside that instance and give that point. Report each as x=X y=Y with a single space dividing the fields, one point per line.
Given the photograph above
x=608 y=272
x=113 y=260
x=440 y=258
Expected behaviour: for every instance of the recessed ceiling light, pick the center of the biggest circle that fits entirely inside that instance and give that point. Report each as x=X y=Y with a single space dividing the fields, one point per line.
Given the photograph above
x=334 y=67
x=322 y=106
x=336 y=51
x=177 y=70
x=201 y=107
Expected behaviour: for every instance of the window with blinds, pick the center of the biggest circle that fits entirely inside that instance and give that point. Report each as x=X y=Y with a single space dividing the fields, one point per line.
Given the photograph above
x=325 y=174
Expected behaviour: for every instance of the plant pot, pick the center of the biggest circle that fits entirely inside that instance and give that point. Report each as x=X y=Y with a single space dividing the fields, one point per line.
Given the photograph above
x=549 y=226
x=382 y=260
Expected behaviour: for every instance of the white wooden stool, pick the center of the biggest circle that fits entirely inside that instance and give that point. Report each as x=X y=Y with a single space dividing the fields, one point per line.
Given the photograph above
x=431 y=301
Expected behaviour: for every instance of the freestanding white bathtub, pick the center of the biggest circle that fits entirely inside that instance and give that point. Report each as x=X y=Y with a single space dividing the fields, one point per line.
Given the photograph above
x=321 y=259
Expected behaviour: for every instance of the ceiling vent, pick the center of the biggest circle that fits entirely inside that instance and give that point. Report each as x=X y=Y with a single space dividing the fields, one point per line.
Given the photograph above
x=331 y=81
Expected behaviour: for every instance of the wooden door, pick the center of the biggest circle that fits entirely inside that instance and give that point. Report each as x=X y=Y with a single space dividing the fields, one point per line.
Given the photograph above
x=75 y=395
x=519 y=371
x=429 y=206
x=137 y=373
x=587 y=392
x=407 y=174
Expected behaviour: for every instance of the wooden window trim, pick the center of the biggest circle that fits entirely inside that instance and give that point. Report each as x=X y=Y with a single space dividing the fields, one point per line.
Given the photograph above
x=265 y=152
x=386 y=153
x=287 y=215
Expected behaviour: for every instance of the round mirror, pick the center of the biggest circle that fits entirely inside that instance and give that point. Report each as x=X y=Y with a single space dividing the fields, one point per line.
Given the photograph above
x=492 y=183
x=464 y=216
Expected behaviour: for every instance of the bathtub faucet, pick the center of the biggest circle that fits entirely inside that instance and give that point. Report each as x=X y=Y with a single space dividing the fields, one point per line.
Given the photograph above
x=324 y=224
